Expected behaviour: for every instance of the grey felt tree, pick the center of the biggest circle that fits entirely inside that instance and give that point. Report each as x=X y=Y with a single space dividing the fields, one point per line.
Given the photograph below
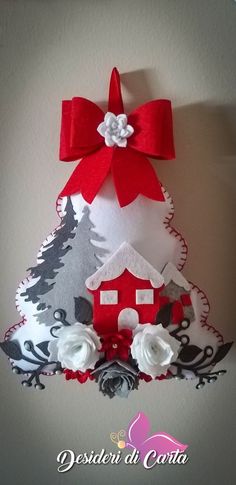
x=52 y=256
x=77 y=265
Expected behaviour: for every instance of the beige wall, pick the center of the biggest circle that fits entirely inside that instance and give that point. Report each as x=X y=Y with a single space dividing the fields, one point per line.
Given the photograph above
x=181 y=49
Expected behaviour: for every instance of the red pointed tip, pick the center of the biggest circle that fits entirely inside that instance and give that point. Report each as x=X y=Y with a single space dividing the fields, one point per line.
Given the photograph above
x=115 y=70
x=115 y=103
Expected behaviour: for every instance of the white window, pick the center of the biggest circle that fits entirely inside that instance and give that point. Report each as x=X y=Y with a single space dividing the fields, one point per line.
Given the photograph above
x=144 y=297
x=109 y=297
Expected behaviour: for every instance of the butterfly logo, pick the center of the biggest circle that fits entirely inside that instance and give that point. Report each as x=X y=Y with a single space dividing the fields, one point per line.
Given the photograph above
x=137 y=437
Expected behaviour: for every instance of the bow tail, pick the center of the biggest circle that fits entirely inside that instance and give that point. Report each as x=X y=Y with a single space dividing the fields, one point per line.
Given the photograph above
x=89 y=175
x=133 y=175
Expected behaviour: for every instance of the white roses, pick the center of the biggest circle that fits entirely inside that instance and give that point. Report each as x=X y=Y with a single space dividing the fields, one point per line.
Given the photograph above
x=154 y=349
x=76 y=348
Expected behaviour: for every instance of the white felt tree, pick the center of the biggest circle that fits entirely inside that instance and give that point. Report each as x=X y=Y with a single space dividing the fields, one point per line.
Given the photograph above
x=145 y=224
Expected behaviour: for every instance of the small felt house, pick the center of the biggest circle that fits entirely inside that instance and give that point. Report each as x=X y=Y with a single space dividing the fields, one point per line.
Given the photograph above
x=125 y=290
x=177 y=290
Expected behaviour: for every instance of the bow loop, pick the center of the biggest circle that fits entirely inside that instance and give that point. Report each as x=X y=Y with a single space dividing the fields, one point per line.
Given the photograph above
x=153 y=132
x=79 y=135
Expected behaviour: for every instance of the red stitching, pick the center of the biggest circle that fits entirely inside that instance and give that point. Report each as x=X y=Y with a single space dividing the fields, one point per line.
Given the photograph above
x=205 y=313
x=174 y=232
x=13 y=328
x=184 y=252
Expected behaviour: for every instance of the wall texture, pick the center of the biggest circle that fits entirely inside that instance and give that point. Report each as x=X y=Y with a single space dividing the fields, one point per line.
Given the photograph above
x=181 y=49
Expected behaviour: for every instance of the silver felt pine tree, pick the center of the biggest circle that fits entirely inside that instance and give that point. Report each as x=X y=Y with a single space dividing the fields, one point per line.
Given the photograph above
x=50 y=261
x=75 y=261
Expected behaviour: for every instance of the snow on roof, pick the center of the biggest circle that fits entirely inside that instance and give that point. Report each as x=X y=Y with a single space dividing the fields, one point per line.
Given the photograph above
x=125 y=258
x=171 y=273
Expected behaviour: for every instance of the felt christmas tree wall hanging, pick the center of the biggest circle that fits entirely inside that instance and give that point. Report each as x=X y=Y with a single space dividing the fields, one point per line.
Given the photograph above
x=106 y=299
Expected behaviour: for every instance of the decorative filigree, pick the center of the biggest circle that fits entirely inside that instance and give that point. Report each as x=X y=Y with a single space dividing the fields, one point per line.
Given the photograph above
x=189 y=353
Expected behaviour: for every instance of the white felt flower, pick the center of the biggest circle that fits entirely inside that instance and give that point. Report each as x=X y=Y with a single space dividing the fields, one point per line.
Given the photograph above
x=115 y=130
x=154 y=349
x=76 y=348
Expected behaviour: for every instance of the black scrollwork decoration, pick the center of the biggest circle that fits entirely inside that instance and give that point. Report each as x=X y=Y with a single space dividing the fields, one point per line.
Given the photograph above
x=14 y=352
x=192 y=358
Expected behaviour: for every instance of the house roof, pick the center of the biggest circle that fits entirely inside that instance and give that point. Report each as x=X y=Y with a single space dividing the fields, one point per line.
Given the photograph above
x=171 y=273
x=125 y=258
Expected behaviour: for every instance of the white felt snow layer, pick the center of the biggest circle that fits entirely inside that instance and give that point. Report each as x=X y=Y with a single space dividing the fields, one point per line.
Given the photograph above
x=170 y=273
x=125 y=258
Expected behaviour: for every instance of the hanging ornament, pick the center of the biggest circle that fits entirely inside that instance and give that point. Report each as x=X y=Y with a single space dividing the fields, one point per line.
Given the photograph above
x=107 y=300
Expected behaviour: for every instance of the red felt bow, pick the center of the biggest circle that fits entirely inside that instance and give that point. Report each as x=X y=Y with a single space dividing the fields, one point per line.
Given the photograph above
x=132 y=172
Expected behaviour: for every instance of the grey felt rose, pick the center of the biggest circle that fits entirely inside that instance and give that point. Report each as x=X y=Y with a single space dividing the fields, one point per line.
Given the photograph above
x=116 y=378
